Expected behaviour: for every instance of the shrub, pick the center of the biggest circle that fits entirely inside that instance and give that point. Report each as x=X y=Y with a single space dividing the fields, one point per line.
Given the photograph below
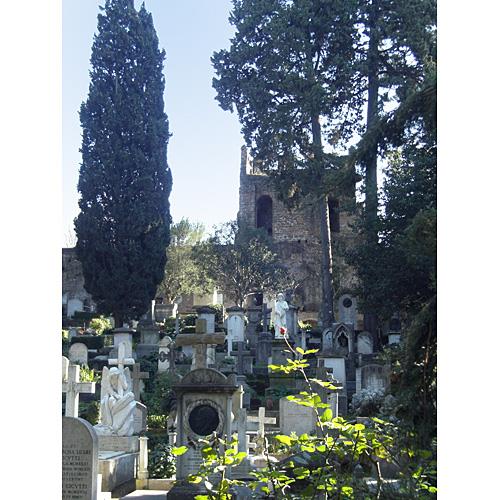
x=90 y=412
x=100 y=325
x=161 y=461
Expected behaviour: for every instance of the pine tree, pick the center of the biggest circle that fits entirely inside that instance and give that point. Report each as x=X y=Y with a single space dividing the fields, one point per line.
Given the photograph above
x=125 y=182
x=289 y=73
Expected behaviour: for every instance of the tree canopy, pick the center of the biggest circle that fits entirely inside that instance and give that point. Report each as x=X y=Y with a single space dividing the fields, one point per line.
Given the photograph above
x=240 y=261
x=183 y=273
x=125 y=182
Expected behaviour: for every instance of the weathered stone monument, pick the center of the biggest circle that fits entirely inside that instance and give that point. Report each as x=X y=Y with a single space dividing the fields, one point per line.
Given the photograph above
x=118 y=446
x=296 y=418
x=79 y=460
x=164 y=355
x=348 y=310
x=137 y=378
x=204 y=407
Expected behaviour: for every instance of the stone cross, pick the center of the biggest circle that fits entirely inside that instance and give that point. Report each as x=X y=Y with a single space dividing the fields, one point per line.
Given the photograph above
x=240 y=354
x=137 y=376
x=201 y=342
x=261 y=420
x=122 y=361
x=72 y=388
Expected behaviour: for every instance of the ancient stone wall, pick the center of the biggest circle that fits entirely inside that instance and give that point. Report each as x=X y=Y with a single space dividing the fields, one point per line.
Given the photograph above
x=295 y=233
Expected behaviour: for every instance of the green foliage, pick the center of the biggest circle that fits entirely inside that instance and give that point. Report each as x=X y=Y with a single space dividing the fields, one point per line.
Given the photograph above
x=90 y=411
x=100 y=325
x=161 y=461
x=156 y=397
x=88 y=375
x=241 y=261
x=125 y=182
x=330 y=464
x=183 y=274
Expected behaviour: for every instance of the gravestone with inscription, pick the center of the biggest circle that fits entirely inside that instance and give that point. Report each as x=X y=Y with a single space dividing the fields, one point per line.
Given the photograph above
x=79 y=460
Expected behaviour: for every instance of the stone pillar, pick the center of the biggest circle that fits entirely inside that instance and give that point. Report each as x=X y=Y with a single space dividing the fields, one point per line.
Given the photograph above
x=292 y=323
x=142 y=472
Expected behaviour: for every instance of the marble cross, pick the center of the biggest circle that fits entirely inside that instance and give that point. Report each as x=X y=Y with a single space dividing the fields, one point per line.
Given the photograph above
x=200 y=341
x=73 y=387
x=122 y=361
x=261 y=420
x=240 y=354
x=137 y=376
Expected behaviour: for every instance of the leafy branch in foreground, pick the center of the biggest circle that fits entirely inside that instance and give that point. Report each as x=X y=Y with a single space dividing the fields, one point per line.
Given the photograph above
x=344 y=460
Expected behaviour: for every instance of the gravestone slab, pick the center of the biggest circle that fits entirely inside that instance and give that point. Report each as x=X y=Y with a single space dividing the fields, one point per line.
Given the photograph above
x=78 y=353
x=140 y=418
x=296 y=418
x=365 y=343
x=372 y=377
x=235 y=324
x=79 y=460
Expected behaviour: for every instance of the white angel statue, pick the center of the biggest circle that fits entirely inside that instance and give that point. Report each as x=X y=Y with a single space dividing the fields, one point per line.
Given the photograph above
x=117 y=403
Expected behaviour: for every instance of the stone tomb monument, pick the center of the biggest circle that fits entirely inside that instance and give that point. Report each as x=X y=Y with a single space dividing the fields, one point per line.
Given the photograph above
x=373 y=377
x=348 y=312
x=338 y=340
x=79 y=460
x=204 y=406
x=118 y=447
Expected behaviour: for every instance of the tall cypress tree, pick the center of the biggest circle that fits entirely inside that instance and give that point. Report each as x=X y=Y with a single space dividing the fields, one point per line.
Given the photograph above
x=123 y=227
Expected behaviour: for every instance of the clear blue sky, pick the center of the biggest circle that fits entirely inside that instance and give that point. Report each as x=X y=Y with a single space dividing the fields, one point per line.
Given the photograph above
x=204 y=150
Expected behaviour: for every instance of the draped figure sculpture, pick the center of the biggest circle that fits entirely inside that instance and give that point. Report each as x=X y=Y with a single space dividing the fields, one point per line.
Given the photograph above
x=117 y=403
x=279 y=319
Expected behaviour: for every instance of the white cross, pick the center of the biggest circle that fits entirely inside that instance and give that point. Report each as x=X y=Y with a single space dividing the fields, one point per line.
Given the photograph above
x=72 y=388
x=122 y=360
x=262 y=420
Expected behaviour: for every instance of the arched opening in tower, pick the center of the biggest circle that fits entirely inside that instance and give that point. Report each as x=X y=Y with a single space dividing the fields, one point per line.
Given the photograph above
x=265 y=214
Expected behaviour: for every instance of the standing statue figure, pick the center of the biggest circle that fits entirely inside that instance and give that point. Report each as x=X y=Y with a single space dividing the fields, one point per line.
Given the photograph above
x=117 y=403
x=279 y=319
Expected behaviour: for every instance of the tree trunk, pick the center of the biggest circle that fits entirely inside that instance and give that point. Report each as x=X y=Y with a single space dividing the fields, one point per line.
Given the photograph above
x=371 y=200
x=326 y=313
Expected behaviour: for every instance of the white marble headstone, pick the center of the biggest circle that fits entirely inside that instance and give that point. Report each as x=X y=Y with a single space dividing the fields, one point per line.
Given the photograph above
x=78 y=353
x=79 y=460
